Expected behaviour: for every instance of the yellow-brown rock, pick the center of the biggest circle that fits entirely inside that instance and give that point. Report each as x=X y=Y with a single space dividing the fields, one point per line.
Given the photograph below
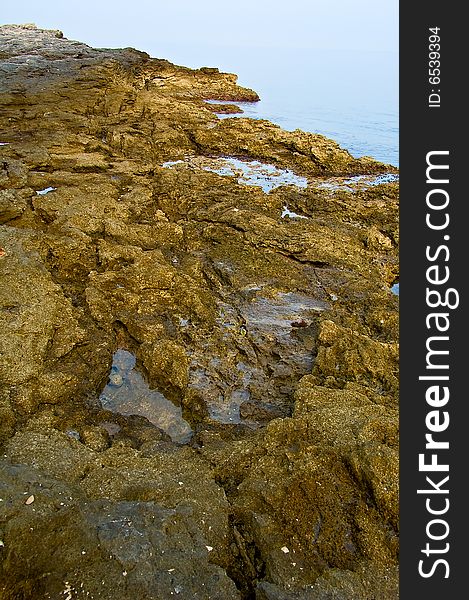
x=253 y=297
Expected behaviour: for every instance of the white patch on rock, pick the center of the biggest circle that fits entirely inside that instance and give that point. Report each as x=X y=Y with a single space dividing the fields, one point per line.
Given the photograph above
x=358 y=182
x=247 y=172
x=45 y=191
x=292 y=215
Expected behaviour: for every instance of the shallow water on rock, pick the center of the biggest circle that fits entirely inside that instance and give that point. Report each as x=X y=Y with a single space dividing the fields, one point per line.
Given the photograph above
x=359 y=182
x=395 y=289
x=266 y=346
x=127 y=393
x=233 y=102
x=373 y=180
x=247 y=172
x=286 y=212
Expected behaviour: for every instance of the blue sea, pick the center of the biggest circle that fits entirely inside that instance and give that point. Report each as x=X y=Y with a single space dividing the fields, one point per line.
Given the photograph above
x=349 y=96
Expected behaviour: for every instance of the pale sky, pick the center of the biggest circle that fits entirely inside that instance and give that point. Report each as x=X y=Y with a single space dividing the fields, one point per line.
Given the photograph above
x=152 y=24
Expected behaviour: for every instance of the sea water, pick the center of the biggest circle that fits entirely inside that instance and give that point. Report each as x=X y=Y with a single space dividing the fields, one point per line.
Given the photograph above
x=348 y=96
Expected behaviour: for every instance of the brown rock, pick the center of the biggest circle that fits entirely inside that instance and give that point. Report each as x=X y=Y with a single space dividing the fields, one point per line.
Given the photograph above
x=235 y=312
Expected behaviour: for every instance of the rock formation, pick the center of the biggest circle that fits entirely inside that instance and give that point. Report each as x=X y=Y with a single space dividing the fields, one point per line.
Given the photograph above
x=264 y=315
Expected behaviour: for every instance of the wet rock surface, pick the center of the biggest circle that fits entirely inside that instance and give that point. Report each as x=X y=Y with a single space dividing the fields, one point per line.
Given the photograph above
x=127 y=393
x=199 y=353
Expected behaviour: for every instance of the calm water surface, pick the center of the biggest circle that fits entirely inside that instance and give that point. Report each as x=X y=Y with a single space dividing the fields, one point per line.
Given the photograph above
x=351 y=97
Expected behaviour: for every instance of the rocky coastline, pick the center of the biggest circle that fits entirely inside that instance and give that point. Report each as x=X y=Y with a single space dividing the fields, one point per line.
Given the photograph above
x=199 y=340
